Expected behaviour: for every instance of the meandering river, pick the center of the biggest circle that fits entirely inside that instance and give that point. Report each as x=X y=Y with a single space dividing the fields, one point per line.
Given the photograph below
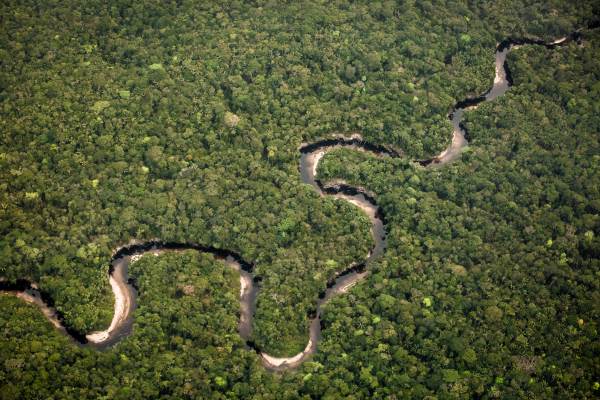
x=310 y=156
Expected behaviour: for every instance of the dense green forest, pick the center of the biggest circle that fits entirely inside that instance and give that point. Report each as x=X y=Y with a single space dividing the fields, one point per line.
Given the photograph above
x=181 y=120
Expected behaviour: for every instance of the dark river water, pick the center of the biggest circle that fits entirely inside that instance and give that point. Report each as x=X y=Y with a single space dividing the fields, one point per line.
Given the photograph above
x=310 y=155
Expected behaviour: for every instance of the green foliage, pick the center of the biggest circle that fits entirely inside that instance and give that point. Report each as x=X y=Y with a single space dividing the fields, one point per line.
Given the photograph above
x=427 y=302
x=506 y=239
x=100 y=105
x=118 y=124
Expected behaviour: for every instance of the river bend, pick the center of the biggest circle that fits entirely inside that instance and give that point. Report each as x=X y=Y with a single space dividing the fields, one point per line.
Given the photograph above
x=310 y=156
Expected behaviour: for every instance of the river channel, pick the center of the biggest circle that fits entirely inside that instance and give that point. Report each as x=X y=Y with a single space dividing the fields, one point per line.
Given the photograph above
x=310 y=155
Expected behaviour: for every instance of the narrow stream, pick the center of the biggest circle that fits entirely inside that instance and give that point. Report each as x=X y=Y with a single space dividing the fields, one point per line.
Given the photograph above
x=310 y=156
